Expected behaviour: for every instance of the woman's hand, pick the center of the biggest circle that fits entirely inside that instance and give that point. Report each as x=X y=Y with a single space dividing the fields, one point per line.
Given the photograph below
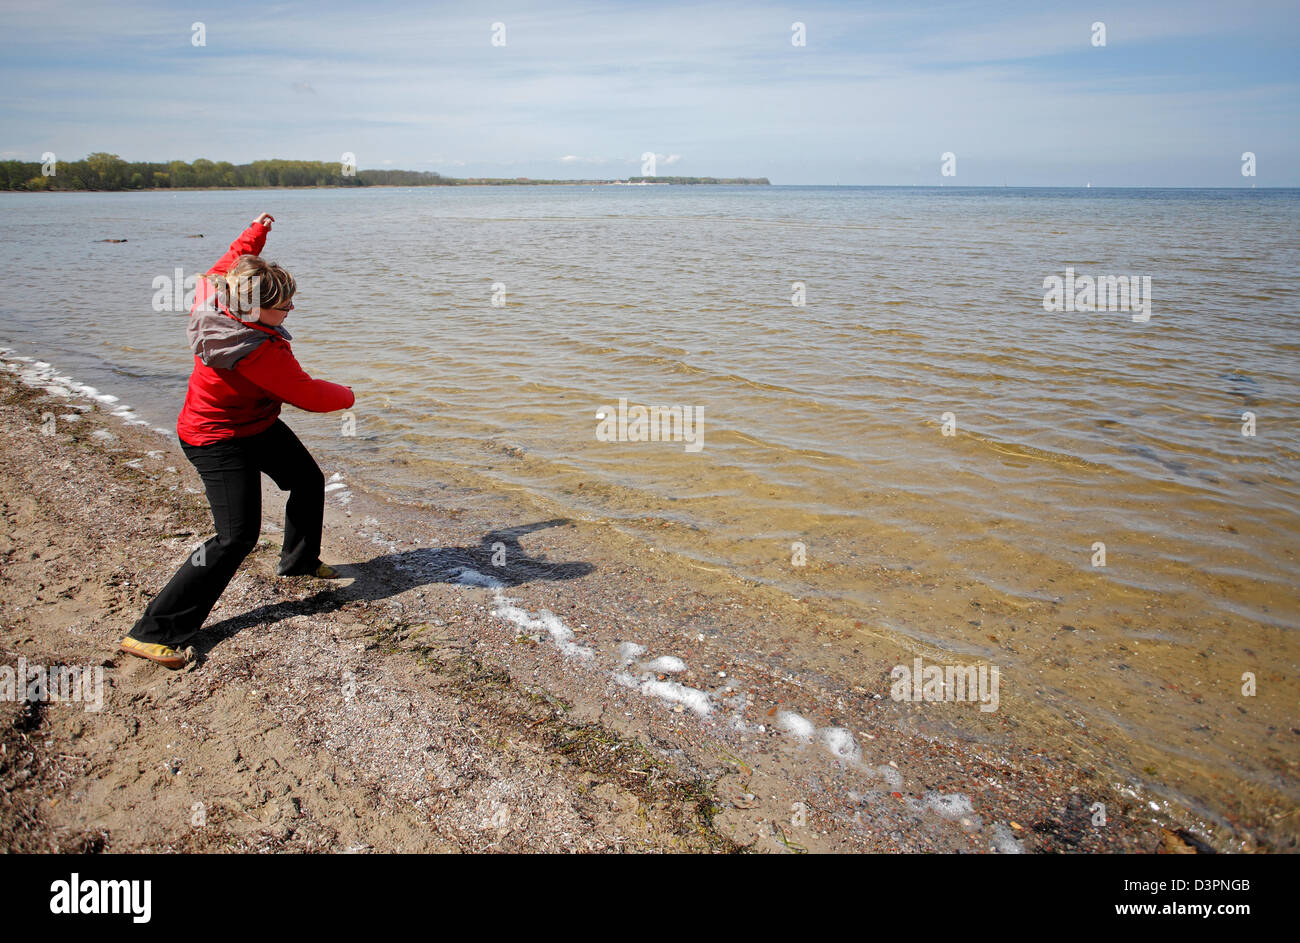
x=266 y=219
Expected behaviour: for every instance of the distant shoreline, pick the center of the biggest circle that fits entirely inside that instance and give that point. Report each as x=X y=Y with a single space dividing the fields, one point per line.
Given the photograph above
x=103 y=172
x=610 y=183
x=410 y=186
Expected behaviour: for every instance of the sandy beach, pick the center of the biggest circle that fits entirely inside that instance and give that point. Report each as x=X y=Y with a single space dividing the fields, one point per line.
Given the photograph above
x=580 y=696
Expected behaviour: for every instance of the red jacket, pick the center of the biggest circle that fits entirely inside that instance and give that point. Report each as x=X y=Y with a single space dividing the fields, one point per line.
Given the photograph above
x=243 y=371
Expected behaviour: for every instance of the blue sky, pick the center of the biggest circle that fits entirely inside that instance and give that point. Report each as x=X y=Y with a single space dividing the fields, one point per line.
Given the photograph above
x=1016 y=91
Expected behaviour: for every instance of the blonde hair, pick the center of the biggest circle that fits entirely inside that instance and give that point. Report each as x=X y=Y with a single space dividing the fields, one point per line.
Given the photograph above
x=253 y=283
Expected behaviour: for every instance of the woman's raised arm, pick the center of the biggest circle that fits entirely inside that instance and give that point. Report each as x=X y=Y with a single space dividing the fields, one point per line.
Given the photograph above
x=250 y=242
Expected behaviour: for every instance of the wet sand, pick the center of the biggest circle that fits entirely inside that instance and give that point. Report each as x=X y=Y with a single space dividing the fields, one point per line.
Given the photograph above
x=587 y=694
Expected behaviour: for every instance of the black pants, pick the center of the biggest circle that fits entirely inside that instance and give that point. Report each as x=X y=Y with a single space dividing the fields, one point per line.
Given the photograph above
x=232 y=476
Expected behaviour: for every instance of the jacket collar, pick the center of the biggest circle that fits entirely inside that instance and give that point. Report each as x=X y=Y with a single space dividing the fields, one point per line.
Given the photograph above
x=277 y=331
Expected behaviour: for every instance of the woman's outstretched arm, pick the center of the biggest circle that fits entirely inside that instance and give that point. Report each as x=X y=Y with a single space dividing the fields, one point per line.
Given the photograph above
x=250 y=242
x=275 y=369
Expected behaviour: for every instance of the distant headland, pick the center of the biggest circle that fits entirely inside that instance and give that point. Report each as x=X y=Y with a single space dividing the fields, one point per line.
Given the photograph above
x=102 y=171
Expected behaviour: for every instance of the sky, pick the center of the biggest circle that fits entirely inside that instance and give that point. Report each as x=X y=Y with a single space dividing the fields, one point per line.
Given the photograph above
x=1017 y=92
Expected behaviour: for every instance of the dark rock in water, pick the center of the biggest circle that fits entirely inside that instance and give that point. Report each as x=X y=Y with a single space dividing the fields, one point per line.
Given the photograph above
x=1182 y=842
x=1242 y=386
x=112 y=240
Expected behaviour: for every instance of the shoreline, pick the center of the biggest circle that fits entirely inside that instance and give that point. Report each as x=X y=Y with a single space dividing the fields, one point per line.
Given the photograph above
x=758 y=739
x=409 y=186
x=609 y=183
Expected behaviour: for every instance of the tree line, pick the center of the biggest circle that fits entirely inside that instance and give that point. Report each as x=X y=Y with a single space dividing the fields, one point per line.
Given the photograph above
x=101 y=171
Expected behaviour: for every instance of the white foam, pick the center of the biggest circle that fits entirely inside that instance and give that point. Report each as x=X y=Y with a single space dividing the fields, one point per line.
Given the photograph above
x=469 y=577
x=696 y=700
x=336 y=483
x=547 y=622
x=41 y=375
x=949 y=806
x=693 y=698
x=841 y=744
x=796 y=724
x=665 y=664
x=1004 y=841
x=630 y=651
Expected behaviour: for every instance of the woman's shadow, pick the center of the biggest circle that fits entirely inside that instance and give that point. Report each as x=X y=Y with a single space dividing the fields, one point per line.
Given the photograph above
x=499 y=560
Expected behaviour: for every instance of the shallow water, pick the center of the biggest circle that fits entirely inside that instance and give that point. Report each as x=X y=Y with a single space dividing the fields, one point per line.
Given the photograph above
x=822 y=423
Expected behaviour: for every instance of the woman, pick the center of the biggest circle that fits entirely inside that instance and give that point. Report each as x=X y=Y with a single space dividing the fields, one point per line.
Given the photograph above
x=231 y=432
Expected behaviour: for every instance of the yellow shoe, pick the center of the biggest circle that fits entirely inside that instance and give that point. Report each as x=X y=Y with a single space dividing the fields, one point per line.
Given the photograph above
x=164 y=655
x=323 y=571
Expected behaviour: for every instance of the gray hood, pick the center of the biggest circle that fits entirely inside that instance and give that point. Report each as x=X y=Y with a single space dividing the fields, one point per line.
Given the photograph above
x=221 y=341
